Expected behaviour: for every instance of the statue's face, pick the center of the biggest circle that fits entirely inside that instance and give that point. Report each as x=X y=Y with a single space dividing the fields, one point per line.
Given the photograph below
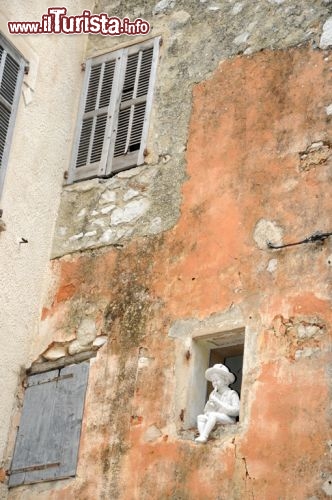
x=218 y=382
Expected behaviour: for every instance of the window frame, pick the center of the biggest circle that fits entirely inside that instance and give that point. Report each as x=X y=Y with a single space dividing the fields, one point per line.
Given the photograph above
x=17 y=56
x=108 y=164
x=201 y=347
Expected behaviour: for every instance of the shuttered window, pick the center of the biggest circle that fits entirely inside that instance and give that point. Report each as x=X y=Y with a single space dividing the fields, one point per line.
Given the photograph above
x=114 y=111
x=11 y=75
x=48 y=436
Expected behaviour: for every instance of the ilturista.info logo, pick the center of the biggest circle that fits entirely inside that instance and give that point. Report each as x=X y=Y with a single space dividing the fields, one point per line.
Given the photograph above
x=56 y=21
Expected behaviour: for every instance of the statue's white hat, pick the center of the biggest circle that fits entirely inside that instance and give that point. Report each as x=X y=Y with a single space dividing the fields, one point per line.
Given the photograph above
x=221 y=371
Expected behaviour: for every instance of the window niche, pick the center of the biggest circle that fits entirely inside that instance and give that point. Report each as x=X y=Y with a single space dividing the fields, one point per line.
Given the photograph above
x=225 y=347
x=232 y=357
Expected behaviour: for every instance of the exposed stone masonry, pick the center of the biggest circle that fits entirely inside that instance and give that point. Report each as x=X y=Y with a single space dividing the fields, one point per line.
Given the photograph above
x=97 y=213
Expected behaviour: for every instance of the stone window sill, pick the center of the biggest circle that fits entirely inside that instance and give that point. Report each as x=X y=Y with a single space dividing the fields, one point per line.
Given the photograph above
x=218 y=435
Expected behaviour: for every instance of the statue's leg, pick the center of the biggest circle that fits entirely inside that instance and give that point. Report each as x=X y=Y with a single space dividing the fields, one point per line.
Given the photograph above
x=222 y=418
x=207 y=426
x=211 y=422
x=201 y=420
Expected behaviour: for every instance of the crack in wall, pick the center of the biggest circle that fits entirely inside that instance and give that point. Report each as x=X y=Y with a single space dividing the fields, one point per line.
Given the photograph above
x=242 y=461
x=248 y=477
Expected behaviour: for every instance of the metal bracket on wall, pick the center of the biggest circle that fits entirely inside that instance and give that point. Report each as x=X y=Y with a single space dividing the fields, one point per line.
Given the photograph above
x=318 y=236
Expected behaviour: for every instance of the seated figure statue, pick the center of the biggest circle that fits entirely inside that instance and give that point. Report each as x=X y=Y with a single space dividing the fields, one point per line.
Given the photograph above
x=223 y=404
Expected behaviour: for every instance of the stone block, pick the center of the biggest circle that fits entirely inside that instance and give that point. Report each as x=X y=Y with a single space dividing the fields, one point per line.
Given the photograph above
x=55 y=352
x=86 y=332
x=130 y=212
x=326 y=38
x=100 y=341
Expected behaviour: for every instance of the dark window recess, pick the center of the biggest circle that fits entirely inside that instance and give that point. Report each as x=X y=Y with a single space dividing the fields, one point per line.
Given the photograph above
x=48 y=437
x=232 y=357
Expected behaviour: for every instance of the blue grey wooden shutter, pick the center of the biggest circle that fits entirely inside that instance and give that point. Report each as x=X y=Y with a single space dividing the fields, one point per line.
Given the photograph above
x=11 y=75
x=47 y=441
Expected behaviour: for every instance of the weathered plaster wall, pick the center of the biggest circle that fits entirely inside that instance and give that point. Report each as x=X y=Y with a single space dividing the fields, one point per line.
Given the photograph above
x=39 y=155
x=196 y=37
x=258 y=167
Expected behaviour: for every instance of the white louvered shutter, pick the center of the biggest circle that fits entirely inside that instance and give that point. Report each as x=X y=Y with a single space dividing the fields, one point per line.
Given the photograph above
x=91 y=147
x=11 y=75
x=114 y=111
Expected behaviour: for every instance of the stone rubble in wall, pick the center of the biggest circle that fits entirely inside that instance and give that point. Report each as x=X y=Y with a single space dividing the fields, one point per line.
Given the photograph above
x=179 y=19
x=267 y=231
x=308 y=331
x=99 y=341
x=131 y=193
x=307 y=352
x=111 y=236
x=108 y=211
x=163 y=5
x=108 y=196
x=326 y=38
x=86 y=339
x=237 y=8
x=304 y=336
x=242 y=38
x=131 y=211
x=76 y=237
x=55 y=352
x=318 y=153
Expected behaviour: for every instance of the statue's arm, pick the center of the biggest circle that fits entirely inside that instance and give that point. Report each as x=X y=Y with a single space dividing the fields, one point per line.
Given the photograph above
x=232 y=406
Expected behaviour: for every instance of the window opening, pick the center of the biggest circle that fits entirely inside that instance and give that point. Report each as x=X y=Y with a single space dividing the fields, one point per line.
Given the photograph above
x=232 y=357
x=225 y=347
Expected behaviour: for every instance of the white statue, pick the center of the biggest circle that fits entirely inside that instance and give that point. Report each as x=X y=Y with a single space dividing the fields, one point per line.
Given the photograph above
x=223 y=404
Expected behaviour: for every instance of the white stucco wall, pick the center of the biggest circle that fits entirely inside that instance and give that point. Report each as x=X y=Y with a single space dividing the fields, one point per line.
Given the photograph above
x=40 y=153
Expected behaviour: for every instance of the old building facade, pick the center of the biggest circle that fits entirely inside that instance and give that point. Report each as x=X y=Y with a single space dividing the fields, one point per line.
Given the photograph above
x=147 y=273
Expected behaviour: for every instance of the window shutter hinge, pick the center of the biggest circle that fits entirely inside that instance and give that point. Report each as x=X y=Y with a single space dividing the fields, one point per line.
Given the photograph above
x=34 y=467
x=26 y=69
x=2 y=222
x=83 y=66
